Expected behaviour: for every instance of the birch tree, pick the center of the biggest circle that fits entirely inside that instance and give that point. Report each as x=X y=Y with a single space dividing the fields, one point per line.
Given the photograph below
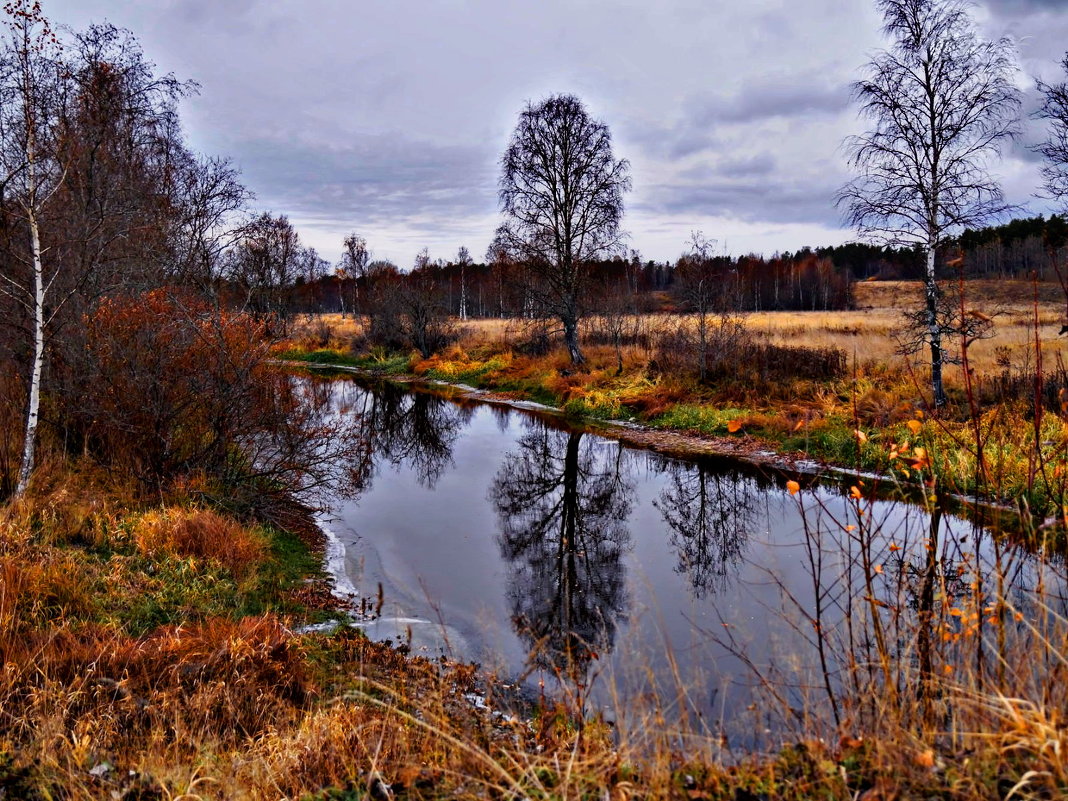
x=942 y=102
x=30 y=99
x=561 y=191
x=464 y=260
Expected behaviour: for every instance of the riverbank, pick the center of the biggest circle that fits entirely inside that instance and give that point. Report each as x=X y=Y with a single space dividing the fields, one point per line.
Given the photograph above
x=902 y=475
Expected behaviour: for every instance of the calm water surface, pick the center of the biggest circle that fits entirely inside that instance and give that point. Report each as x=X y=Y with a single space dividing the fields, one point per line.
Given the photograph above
x=539 y=550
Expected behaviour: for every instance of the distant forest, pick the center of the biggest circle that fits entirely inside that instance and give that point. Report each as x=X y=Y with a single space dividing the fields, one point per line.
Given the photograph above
x=810 y=279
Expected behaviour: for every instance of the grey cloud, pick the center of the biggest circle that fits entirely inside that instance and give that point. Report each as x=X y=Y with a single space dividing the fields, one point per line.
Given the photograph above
x=755 y=165
x=1010 y=7
x=706 y=117
x=777 y=99
x=758 y=164
x=748 y=201
x=374 y=179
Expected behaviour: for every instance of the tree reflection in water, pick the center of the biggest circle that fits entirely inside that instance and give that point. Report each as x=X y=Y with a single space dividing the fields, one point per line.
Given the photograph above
x=562 y=509
x=413 y=429
x=709 y=513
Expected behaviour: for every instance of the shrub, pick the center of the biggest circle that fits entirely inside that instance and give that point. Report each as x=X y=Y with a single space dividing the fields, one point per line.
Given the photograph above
x=732 y=354
x=530 y=337
x=173 y=386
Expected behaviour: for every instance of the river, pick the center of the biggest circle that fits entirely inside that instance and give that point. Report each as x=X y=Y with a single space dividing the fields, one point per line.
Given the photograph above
x=559 y=557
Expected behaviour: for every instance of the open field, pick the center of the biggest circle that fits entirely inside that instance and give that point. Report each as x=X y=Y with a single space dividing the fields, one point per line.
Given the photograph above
x=866 y=333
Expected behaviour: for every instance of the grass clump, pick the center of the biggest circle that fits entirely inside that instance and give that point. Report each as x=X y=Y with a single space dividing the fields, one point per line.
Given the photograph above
x=200 y=533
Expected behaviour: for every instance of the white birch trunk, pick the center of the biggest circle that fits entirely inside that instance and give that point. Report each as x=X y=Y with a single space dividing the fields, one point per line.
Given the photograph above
x=934 y=330
x=34 y=406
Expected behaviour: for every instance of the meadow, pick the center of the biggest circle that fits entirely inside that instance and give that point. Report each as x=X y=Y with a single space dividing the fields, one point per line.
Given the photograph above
x=154 y=641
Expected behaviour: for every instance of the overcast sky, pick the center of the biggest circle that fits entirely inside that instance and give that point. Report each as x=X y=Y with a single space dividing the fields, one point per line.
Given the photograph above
x=388 y=117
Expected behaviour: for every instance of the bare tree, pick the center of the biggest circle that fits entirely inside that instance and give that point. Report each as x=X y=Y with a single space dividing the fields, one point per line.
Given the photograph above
x=265 y=263
x=561 y=190
x=1055 y=148
x=707 y=287
x=354 y=260
x=210 y=203
x=942 y=101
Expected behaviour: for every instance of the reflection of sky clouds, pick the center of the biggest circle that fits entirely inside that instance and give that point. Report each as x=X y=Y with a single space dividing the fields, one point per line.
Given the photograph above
x=391 y=117
x=477 y=548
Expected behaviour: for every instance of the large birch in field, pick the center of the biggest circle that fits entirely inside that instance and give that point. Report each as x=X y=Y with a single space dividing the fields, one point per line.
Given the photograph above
x=561 y=191
x=941 y=101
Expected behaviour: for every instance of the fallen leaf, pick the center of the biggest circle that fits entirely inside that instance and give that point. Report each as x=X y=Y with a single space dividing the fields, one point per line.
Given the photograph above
x=861 y=436
x=925 y=759
x=915 y=426
x=734 y=426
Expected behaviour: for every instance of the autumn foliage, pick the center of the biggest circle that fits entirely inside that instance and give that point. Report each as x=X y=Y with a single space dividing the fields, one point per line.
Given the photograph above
x=171 y=389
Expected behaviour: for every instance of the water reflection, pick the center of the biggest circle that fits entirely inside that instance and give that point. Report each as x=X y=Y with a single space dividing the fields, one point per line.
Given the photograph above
x=709 y=514
x=562 y=509
x=532 y=544
x=416 y=430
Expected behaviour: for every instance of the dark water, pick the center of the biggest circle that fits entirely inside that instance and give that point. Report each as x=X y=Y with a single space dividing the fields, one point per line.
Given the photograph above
x=543 y=551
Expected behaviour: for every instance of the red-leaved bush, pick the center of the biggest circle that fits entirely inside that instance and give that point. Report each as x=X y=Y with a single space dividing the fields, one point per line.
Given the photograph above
x=173 y=386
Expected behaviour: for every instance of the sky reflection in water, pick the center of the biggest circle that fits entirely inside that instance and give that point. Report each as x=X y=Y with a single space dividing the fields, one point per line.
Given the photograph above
x=544 y=551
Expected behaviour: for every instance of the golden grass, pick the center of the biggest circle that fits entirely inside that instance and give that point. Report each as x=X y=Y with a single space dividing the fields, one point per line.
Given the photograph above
x=866 y=332
x=199 y=533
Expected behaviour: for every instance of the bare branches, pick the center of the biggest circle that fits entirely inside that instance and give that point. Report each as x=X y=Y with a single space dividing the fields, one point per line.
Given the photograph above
x=1055 y=148
x=561 y=190
x=942 y=102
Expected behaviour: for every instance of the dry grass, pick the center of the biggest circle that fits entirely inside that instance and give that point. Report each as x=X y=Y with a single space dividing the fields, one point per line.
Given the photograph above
x=241 y=707
x=866 y=332
x=199 y=533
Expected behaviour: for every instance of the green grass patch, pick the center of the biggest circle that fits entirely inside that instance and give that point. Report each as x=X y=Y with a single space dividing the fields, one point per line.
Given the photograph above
x=320 y=357
x=701 y=419
x=474 y=375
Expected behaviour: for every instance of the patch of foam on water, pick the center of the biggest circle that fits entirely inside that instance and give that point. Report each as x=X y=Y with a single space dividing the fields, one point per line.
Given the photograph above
x=335 y=561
